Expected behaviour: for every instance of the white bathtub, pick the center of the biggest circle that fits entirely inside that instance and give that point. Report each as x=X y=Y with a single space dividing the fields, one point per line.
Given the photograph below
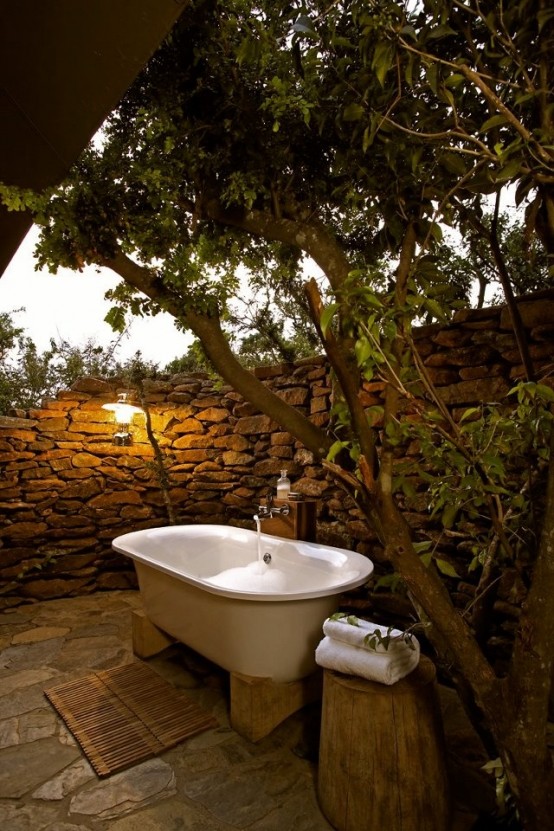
x=262 y=620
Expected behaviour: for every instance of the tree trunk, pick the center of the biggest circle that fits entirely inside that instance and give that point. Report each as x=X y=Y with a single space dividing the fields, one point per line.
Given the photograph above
x=529 y=772
x=523 y=741
x=514 y=710
x=367 y=779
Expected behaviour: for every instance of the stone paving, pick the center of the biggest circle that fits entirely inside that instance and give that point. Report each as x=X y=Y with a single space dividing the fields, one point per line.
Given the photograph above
x=216 y=781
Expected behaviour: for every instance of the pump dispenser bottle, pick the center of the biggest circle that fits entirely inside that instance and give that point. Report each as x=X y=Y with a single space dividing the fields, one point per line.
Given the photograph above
x=283 y=486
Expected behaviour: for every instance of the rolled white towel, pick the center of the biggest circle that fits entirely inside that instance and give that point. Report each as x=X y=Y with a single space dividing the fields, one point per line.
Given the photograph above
x=365 y=663
x=357 y=632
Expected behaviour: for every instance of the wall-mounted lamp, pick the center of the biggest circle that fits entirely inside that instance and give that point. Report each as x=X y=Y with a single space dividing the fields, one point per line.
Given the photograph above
x=123 y=413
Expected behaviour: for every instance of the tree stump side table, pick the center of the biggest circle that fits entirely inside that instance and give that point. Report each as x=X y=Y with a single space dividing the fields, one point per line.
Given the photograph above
x=382 y=754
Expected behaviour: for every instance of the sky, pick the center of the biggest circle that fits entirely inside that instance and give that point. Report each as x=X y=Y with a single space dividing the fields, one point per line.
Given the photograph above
x=71 y=306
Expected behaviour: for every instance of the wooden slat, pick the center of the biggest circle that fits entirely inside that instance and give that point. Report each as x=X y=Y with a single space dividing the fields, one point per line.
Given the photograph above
x=125 y=715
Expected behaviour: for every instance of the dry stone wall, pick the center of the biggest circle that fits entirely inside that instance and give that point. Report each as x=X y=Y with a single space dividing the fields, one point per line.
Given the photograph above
x=66 y=490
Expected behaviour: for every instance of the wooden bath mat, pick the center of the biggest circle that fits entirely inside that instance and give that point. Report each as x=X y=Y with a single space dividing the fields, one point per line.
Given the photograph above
x=127 y=714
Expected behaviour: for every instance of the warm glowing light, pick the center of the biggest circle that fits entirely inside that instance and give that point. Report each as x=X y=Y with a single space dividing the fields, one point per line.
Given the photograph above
x=123 y=414
x=122 y=411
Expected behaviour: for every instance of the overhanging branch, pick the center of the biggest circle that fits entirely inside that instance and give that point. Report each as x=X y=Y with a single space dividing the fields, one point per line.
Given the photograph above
x=208 y=330
x=310 y=237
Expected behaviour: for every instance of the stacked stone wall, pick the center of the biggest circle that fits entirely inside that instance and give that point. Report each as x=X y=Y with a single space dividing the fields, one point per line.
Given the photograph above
x=66 y=490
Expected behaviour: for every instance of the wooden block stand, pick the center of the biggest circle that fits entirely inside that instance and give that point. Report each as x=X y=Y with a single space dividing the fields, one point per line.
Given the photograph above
x=258 y=705
x=382 y=757
x=148 y=640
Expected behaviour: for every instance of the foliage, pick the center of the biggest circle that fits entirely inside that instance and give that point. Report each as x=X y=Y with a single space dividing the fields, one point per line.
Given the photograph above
x=27 y=375
x=380 y=636
x=48 y=558
x=270 y=328
x=482 y=480
x=194 y=360
x=9 y=333
x=469 y=266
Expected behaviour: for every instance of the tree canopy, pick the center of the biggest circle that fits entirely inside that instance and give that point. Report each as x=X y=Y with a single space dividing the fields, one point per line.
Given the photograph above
x=264 y=138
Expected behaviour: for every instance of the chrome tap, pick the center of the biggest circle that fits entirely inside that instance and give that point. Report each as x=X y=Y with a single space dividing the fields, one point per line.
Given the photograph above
x=269 y=509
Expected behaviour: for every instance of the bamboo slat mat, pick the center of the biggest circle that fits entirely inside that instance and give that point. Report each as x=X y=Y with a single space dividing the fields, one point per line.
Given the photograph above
x=127 y=714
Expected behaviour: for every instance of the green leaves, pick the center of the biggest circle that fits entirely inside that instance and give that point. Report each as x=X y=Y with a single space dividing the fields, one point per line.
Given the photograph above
x=363 y=351
x=498 y=120
x=336 y=448
x=429 y=557
x=327 y=316
x=257 y=132
x=382 y=60
x=116 y=318
x=446 y=568
x=352 y=620
x=484 y=471
x=353 y=112
x=17 y=199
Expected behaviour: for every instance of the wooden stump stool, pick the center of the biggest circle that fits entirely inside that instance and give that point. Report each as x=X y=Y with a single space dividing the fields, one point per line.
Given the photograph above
x=381 y=757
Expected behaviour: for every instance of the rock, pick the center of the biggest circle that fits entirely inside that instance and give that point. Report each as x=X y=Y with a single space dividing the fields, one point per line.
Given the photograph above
x=115 y=499
x=255 y=424
x=125 y=792
x=295 y=396
x=167 y=815
x=19 y=530
x=85 y=460
x=25 y=766
x=92 y=385
x=82 y=490
x=231 y=458
x=261 y=785
x=66 y=782
x=213 y=414
x=533 y=314
x=189 y=425
x=31 y=818
x=41 y=633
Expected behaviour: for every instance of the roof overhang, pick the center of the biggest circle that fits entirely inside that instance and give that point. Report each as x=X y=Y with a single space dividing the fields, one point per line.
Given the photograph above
x=64 y=65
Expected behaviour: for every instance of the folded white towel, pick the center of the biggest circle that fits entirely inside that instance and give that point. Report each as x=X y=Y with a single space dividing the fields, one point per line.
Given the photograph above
x=358 y=632
x=366 y=663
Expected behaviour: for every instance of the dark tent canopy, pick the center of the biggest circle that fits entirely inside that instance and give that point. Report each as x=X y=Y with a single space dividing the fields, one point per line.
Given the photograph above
x=64 y=65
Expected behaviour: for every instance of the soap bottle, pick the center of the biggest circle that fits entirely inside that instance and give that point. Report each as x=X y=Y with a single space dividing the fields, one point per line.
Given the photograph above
x=283 y=486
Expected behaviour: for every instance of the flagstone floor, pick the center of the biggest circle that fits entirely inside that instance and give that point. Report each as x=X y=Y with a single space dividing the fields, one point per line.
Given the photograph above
x=215 y=781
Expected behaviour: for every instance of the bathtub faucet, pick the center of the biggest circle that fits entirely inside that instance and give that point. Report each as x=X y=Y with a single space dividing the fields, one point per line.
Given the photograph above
x=269 y=509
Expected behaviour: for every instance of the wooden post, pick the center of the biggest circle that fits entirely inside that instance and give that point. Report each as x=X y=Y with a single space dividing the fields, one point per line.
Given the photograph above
x=258 y=705
x=382 y=755
x=298 y=524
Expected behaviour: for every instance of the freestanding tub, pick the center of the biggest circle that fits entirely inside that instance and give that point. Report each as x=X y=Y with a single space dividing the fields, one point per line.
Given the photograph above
x=206 y=586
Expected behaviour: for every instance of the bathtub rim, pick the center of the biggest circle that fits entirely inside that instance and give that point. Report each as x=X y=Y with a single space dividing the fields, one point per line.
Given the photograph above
x=365 y=565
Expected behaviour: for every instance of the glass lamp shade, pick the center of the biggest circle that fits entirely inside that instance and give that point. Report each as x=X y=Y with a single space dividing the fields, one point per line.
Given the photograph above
x=123 y=412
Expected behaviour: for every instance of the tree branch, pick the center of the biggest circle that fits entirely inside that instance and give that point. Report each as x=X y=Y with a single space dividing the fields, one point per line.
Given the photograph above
x=480 y=81
x=513 y=309
x=208 y=331
x=348 y=377
x=308 y=236
x=392 y=393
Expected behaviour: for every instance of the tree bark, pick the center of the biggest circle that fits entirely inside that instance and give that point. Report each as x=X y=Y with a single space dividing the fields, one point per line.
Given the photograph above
x=310 y=237
x=528 y=759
